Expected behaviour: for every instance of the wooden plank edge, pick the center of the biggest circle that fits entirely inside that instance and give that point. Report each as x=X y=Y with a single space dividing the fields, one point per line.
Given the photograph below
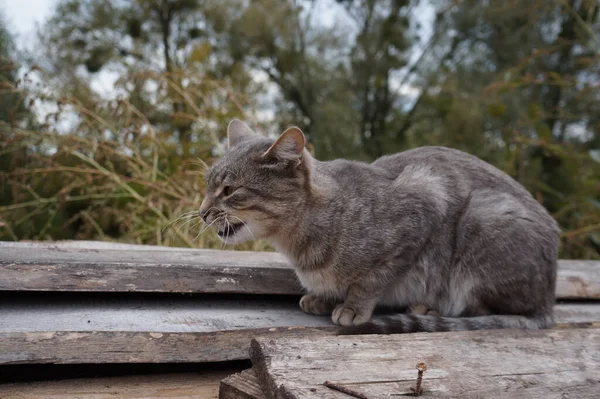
x=164 y=385
x=576 y=280
x=117 y=277
x=274 y=357
x=261 y=361
x=243 y=385
x=260 y=364
x=99 y=347
x=563 y=326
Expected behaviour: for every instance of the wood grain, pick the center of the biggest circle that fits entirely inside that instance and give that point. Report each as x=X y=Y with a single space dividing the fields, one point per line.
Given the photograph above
x=242 y=385
x=578 y=279
x=100 y=329
x=75 y=347
x=162 y=386
x=472 y=364
x=55 y=267
x=90 y=313
x=111 y=267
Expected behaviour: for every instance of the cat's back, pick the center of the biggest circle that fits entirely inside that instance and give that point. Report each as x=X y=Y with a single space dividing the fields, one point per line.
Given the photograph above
x=462 y=171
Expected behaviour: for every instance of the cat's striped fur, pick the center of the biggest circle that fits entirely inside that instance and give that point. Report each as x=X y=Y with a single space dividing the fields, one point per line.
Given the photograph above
x=431 y=226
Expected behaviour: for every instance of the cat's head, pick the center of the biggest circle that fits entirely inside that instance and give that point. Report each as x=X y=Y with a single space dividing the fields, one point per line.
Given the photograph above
x=258 y=185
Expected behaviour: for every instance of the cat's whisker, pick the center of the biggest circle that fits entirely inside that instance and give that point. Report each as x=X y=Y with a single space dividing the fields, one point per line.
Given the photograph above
x=186 y=222
x=174 y=221
x=200 y=163
x=196 y=224
x=226 y=232
x=178 y=218
x=186 y=218
x=207 y=227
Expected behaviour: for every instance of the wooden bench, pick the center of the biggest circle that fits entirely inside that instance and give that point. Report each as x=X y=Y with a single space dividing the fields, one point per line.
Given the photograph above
x=105 y=303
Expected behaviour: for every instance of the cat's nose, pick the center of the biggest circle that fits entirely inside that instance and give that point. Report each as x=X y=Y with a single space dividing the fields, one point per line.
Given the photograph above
x=204 y=210
x=204 y=215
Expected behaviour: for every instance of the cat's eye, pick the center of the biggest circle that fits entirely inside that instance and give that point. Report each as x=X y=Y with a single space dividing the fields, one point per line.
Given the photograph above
x=227 y=191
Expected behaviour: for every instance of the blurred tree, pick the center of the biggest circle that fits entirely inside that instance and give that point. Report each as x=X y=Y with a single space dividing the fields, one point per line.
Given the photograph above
x=13 y=109
x=380 y=50
x=14 y=113
x=102 y=163
x=162 y=53
x=336 y=79
x=282 y=40
x=513 y=82
x=520 y=89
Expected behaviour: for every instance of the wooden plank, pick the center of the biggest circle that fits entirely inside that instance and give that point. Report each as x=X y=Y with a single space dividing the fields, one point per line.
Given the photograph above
x=242 y=385
x=75 y=347
x=91 y=313
x=183 y=314
x=100 y=329
x=204 y=385
x=470 y=364
x=578 y=279
x=90 y=266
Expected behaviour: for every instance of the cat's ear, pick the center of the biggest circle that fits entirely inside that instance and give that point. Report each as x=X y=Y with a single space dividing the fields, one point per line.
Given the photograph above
x=237 y=131
x=289 y=146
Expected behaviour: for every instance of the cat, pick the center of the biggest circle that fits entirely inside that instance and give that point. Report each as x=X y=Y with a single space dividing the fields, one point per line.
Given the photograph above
x=433 y=229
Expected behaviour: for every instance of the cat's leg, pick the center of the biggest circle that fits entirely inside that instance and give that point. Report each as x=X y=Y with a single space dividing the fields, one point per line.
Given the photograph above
x=313 y=304
x=357 y=308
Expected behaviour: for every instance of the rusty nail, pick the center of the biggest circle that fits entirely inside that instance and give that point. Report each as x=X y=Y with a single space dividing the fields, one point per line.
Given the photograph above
x=421 y=367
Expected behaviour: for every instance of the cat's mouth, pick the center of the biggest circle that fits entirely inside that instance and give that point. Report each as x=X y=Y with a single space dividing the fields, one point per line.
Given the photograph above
x=229 y=229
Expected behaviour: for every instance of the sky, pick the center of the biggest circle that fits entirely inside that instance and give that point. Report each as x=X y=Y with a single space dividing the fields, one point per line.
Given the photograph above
x=23 y=16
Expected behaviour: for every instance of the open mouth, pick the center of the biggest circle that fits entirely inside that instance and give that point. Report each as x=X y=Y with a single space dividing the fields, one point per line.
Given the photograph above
x=229 y=229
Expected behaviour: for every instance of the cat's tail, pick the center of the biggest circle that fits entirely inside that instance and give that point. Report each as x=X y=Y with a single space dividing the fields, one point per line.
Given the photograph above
x=409 y=323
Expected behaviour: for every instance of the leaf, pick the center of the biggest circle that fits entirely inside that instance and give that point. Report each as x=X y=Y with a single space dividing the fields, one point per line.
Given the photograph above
x=97 y=58
x=534 y=110
x=497 y=110
x=200 y=52
x=594 y=202
x=543 y=130
x=554 y=76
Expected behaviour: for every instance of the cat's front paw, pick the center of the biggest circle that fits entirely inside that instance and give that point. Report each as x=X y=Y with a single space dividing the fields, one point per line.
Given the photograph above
x=312 y=304
x=344 y=315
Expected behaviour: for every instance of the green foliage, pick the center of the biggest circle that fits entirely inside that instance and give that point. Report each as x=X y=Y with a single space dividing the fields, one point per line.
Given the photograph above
x=513 y=82
x=89 y=184
x=13 y=109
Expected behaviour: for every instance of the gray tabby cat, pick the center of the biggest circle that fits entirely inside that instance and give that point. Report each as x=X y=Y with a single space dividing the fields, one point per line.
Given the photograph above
x=433 y=229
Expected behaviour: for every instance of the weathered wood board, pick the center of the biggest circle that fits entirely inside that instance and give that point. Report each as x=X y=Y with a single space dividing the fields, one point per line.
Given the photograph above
x=578 y=279
x=159 y=314
x=76 y=347
x=100 y=329
x=242 y=385
x=472 y=364
x=137 y=268
x=202 y=385
x=110 y=267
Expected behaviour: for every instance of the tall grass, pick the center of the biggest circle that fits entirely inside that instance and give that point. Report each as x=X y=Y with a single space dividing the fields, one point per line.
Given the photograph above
x=113 y=175
x=116 y=170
